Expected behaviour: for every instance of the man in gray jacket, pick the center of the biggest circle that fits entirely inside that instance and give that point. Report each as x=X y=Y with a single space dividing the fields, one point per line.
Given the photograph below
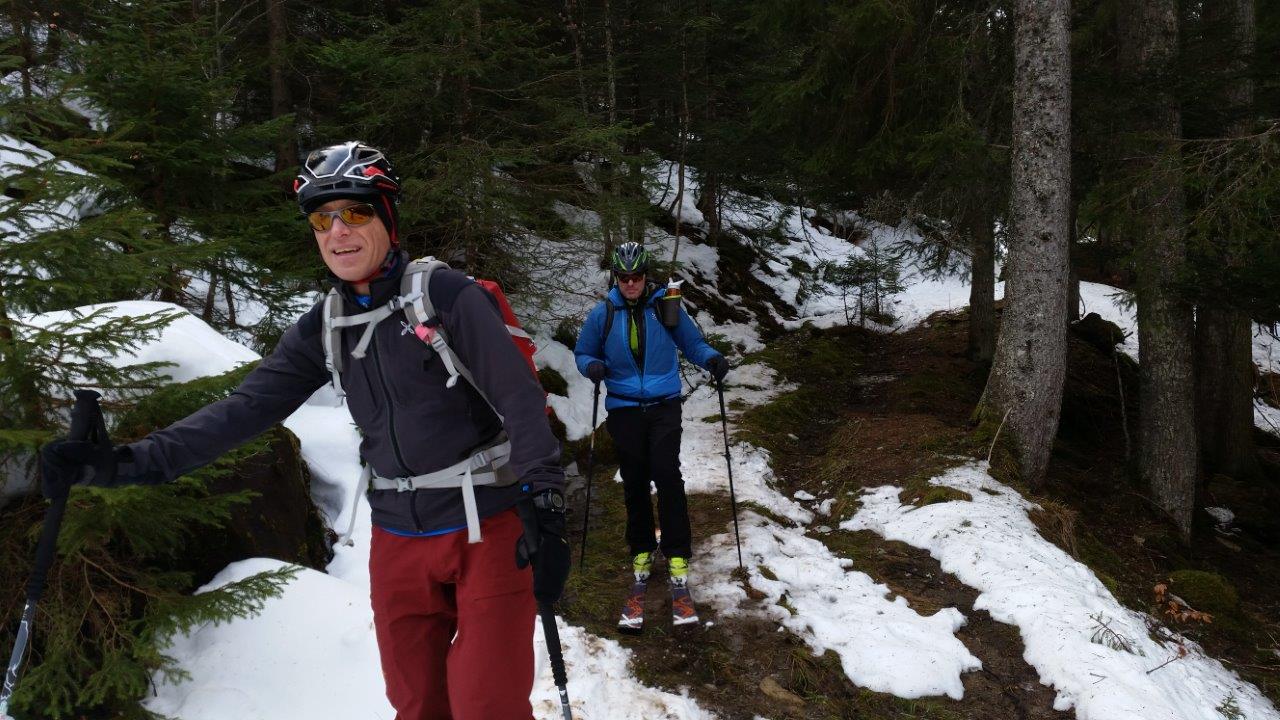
x=447 y=462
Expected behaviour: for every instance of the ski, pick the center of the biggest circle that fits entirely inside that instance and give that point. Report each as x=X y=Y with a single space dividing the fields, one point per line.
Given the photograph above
x=632 y=620
x=683 y=611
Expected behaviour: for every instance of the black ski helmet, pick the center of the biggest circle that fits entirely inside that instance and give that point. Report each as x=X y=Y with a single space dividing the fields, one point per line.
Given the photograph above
x=629 y=257
x=350 y=170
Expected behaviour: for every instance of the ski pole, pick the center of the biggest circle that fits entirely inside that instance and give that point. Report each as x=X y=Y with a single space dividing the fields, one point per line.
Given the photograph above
x=86 y=417
x=733 y=497
x=591 y=450
x=532 y=540
x=549 y=628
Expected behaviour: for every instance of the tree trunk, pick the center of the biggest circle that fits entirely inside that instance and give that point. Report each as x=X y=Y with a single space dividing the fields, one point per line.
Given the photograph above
x=709 y=203
x=1167 y=453
x=611 y=72
x=982 y=285
x=571 y=24
x=1225 y=380
x=20 y=22
x=684 y=141
x=1024 y=389
x=281 y=102
x=1224 y=348
x=1073 y=278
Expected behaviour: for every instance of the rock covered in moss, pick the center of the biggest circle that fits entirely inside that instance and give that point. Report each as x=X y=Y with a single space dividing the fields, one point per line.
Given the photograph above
x=1204 y=591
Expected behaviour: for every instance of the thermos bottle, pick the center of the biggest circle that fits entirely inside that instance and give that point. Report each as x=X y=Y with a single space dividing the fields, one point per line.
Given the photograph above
x=669 y=305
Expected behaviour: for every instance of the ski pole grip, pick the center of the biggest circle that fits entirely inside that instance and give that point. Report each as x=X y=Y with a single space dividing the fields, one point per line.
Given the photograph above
x=85 y=415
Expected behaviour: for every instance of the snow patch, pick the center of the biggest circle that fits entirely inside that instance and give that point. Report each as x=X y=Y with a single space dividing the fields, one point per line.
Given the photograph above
x=884 y=644
x=1057 y=604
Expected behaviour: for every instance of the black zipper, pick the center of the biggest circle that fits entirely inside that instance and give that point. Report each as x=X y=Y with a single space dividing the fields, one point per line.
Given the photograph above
x=391 y=410
x=391 y=422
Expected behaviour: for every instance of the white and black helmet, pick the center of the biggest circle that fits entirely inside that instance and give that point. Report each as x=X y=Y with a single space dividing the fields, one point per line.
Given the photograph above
x=348 y=170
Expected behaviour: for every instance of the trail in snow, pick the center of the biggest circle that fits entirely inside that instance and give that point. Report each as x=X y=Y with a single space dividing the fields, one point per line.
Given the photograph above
x=883 y=643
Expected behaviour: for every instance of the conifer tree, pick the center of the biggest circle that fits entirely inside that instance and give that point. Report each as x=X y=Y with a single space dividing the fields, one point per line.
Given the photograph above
x=1148 y=49
x=66 y=242
x=164 y=77
x=479 y=107
x=1024 y=389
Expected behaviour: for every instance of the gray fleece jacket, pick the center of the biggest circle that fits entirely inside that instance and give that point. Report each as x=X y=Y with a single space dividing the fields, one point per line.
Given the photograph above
x=411 y=424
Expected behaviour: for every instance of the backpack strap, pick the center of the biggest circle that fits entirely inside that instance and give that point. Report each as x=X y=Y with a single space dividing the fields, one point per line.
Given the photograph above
x=608 y=319
x=610 y=311
x=334 y=321
x=422 y=321
x=332 y=340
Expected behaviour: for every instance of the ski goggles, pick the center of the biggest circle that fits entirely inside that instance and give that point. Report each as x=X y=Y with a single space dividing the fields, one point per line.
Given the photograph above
x=626 y=278
x=352 y=216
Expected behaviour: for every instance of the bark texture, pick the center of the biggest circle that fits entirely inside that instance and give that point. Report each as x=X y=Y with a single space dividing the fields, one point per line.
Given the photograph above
x=1224 y=349
x=1167 y=437
x=281 y=99
x=982 y=286
x=1224 y=385
x=1025 y=385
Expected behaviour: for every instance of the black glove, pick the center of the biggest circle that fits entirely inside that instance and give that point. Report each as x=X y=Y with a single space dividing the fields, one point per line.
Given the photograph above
x=596 y=371
x=551 y=556
x=64 y=463
x=718 y=366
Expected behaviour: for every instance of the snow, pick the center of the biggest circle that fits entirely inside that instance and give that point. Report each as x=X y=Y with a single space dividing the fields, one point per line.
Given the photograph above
x=702 y=445
x=1266 y=350
x=788 y=267
x=664 y=190
x=601 y=686
x=310 y=653
x=1115 y=305
x=1057 y=604
x=1266 y=417
x=573 y=410
x=1221 y=515
x=15 y=157
x=195 y=349
x=883 y=644
x=744 y=338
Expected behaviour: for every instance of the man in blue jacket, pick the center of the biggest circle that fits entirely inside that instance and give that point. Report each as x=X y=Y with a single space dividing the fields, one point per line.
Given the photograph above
x=635 y=355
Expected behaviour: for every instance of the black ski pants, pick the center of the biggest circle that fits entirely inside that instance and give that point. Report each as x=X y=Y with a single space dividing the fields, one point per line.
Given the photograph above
x=647 y=440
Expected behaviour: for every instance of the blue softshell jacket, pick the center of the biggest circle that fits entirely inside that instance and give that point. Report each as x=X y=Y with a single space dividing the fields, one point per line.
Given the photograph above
x=659 y=379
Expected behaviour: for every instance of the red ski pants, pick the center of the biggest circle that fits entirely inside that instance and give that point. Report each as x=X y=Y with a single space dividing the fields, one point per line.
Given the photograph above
x=454 y=623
